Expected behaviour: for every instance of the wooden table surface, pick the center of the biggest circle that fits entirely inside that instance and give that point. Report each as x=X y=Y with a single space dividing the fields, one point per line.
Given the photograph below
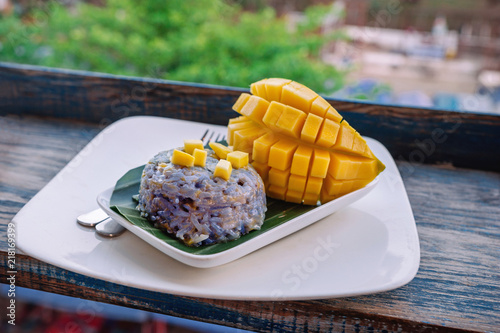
x=457 y=212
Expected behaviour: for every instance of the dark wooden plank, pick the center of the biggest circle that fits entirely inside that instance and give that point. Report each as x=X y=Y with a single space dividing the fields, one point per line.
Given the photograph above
x=277 y=316
x=458 y=220
x=414 y=135
x=102 y=98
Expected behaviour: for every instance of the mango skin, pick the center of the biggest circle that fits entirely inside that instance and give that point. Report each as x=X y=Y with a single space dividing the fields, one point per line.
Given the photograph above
x=301 y=146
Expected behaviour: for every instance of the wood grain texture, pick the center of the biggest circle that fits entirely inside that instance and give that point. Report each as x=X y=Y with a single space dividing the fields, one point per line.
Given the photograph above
x=458 y=220
x=414 y=135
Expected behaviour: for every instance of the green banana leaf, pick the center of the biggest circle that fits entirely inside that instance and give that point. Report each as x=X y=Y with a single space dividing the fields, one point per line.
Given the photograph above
x=278 y=212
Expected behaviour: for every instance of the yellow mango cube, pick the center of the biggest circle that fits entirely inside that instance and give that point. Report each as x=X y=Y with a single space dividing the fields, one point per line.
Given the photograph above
x=273 y=114
x=291 y=121
x=320 y=163
x=336 y=187
x=325 y=197
x=259 y=89
x=368 y=169
x=310 y=199
x=319 y=107
x=345 y=137
x=278 y=177
x=293 y=196
x=238 y=159
x=238 y=119
x=274 y=87
x=332 y=114
x=298 y=96
x=297 y=183
x=200 y=157
x=255 y=108
x=281 y=154
x=276 y=192
x=191 y=145
x=261 y=147
x=313 y=185
x=182 y=158
x=231 y=128
x=262 y=169
x=220 y=150
x=243 y=139
x=301 y=160
x=240 y=102
x=343 y=166
x=359 y=144
x=328 y=133
x=223 y=169
x=359 y=183
x=311 y=128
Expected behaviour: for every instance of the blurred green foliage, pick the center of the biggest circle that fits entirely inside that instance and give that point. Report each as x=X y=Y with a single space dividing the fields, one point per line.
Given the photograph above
x=205 y=41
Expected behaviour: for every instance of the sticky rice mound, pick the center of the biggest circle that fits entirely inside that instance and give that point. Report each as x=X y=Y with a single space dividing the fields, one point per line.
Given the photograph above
x=198 y=208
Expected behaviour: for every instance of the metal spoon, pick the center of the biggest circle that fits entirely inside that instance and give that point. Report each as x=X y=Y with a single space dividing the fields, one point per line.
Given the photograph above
x=109 y=228
x=104 y=225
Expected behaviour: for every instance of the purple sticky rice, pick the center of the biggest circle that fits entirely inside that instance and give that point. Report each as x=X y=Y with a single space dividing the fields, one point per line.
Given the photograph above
x=198 y=208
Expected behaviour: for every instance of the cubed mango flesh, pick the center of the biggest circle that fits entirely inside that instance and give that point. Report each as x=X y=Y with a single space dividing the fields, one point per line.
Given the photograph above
x=262 y=146
x=281 y=154
x=310 y=199
x=291 y=121
x=311 y=128
x=297 y=183
x=343 y=166
x=237 y=120
x=238 y=159
x=345 y=138
x=320 y=163
x=328 y=133
x=278 y=177
x=255 y=108
x=220 y=150
x=293 y=196
x=243 y=139
x=182 y=158
x=333 y=114
x=223 y=169
x=262 y=169
x=276 y=192
x=200 y=157
x=191 y=145
x=273 y=114
x=259 y=89
x=314 y=185
x=301 y=160
x=274 y=87
x=231 y=128
x=319 y=107
x=240 y=102
x=306 y=151
x=298 y=96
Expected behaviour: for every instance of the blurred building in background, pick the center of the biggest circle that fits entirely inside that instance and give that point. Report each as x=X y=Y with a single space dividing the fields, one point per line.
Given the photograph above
x=429 y=53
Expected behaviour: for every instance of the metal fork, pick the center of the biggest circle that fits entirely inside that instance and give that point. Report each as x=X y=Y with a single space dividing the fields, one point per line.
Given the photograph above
x=208 y=136
x=105 y=225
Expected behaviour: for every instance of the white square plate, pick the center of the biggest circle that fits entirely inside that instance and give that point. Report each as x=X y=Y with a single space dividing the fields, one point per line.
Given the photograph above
x=266 y=238
x=370 y=246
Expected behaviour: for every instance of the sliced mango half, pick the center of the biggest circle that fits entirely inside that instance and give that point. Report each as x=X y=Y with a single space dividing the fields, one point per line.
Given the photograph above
x=301 y=146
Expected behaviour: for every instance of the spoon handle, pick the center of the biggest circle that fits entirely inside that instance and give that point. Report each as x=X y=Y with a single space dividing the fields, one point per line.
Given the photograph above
x=91 y=219
x=109 y=228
